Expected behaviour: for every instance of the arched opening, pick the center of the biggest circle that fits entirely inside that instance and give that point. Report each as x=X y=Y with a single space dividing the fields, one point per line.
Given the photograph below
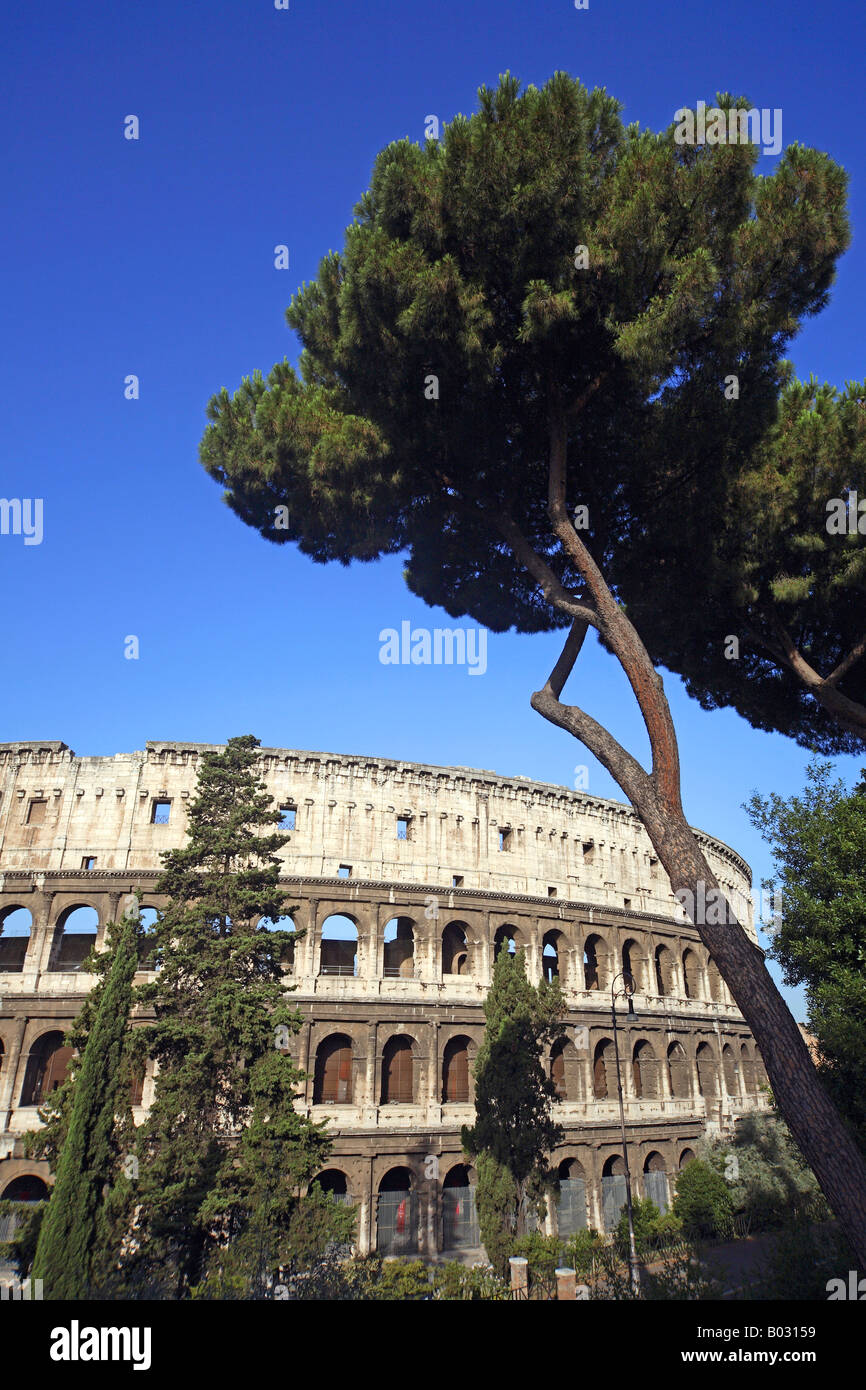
x=339 y=945
x=655 y=1181
x=455 y=952
x=633 y=965
x=729 y=1070
x=664 y=971
x=333 y=1182
x=594 y=963
x=748 y=1068
x=506 y=938
x=678 y=1071
x=559 y=1069
x=398 y=1085
x=714 y=981
x=459 y=1216
x=550 y=956
x=74 y=938
x=601 y=1058
x=613 y=1191
x=455 y=1072
x=645 y=1072
x=332 y=1076
x=708 y=1082
x=136 y=1084
x=761 y=1077
x=691 y=975
x=571 y=1205
x=399 y=949
x=396 y=1214
x=148 y=917
x=15 y=924
x=29 y=1190
x=285 y=926
x=686 y=1156
x=46 y=1068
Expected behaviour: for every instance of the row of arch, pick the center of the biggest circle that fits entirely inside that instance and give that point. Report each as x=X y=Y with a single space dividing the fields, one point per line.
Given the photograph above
x=668 y=971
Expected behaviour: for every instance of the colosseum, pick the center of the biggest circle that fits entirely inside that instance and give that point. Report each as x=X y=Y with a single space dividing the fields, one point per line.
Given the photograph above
x=407 y=880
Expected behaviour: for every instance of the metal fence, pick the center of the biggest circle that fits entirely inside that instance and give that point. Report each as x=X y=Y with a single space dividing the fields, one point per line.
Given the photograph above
x=655 y=1185
x=613 y=1197
x=572 y=1206
x=397 y=1223
x=459 y=1219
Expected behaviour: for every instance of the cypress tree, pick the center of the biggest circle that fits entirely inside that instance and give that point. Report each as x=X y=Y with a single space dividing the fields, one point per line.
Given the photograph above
x=87 y=1129
x=513 y=1131
x=224 y=1154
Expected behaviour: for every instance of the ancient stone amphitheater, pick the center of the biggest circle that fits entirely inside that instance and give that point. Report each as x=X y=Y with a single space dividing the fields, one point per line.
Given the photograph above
x=407 y=880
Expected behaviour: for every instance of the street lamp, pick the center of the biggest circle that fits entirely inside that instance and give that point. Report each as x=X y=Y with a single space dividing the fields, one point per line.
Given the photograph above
x=625 y=993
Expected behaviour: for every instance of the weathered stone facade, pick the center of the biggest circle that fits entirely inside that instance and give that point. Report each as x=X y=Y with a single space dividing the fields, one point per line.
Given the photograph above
x=436 y=868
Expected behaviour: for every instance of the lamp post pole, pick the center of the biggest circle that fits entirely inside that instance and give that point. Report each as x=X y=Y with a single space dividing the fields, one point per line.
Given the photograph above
x=626 y=992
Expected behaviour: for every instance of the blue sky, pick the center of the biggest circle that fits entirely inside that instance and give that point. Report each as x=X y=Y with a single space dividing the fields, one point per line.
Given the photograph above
x=155 y=257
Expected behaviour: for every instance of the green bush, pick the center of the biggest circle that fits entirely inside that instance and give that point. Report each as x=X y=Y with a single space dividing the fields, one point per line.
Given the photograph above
x=581 y=1250
x=703 y=1202
x=455 y=1281
x=802 y=1260
x=645 y=1218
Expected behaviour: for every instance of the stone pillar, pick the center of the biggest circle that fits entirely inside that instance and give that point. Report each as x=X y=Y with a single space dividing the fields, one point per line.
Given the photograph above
x=370 y=1095
x=9 y=1080
x=519 y=1267
x=435 y=1072
x=304 y=1058
x=566 y=1285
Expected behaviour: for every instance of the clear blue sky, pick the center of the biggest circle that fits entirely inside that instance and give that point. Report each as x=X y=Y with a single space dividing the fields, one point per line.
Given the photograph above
x=155 y=257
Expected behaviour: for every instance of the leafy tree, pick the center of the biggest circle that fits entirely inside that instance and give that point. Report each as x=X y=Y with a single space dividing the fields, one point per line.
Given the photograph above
x=819 y=847
x=224 y=1154
x=513 y=1132
x=702 y=1202
x=526 y=314
x=91 y=1127
x=767 y=562
x=767 y=1176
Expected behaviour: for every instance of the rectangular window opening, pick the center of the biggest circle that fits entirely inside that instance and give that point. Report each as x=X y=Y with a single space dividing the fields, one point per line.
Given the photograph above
x=551 y=892
x=36 y=812
x=161 y=812
x=505 y=839
x=402 y=827
x=456 y=880
x=88 y=862
x=287 y=817
x=344 y=871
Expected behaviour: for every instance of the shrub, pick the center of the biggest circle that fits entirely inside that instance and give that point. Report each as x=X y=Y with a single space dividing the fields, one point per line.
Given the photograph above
x=703 y=1202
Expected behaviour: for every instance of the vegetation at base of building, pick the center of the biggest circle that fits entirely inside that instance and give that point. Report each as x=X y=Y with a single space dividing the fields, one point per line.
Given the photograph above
x=818 y=842
x=803 y=1258
x=653 y=1231
x=703 y=1203
x=21 y=1249
x=769 y=1182
x=514 y=1131
x=77 y=1251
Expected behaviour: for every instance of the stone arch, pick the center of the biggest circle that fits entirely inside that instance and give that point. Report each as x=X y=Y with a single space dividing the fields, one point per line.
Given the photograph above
x=602 y=1061
x=613 y=1190
x=335 y=1182
x=507 y=937
x=26 y=1187
x=565 y=1071
x=397 y=1213
x=687 y=1156
x=551 y=967
x=47 y=1064
x=16 y=925
x=571 y=1215
x=708 y=1071
x=75 y=934
x=664 y=970
x=691 y=974
x=596 y=957
x=645 y=1071
x=632 y=964
x=678 y=1072
x=655 y=1180
x=399 y=952
x=730 y=1070
x=339 y=945
x=748 y=1068
x=398 y=1071
x=456 y=1085
x=332 y=1075
x=455 y=949
x=148 y=916
x=459 y=1216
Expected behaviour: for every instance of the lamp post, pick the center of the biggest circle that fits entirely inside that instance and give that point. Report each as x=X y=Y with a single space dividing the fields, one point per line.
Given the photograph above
x=625 y=993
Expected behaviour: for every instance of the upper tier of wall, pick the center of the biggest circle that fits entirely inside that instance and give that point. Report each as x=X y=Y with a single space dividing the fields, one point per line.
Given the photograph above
x=558 y=843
